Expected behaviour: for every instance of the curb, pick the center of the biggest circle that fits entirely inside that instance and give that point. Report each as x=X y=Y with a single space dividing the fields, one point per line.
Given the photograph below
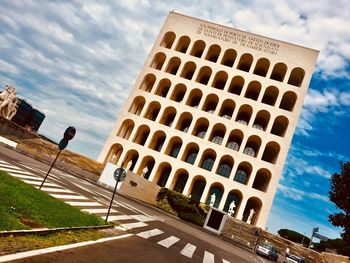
x=45 y=231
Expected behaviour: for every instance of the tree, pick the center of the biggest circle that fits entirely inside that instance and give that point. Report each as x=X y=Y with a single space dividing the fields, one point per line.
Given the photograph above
x=338 y=244
x=340 y=196
x=293 y=236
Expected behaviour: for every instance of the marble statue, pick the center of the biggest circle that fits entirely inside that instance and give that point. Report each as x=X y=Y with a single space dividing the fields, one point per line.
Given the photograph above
x=8 y=102
x=128 y=166
x=144 y=171
x=250 y=217
x=231 y=209
x=114 y=157
x=212 y=199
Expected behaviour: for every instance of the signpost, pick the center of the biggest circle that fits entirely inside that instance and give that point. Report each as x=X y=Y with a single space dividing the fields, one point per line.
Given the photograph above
x=67 y=136
x=317 y=235
x=119 y=176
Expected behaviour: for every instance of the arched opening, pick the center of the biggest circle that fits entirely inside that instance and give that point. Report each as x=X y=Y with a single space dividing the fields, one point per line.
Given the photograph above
x=253 y=90
x=198 y=48
x=288 y=101
x=262 y=180
x=162 y=174
x=148 y=82
x=213 y=53
x=137 y=105
x=184 y=122
x=225 y=166
x=147 y=161
x=163 y=88
x=190 y=153
x=271 y=152
x=188 y=70
x=158 y=61
x=173 y=65
x=218 y=190
x=245 y=62
x=261 y=120
x=208 y=159
x=114 y=153
x=229 y=57
x=198 y=185
x=174 y=147
x=252 y=208
x=131 y=157
x=236 y=85
x=182 y=44
x=296 y=77
x=152 y=111
x=235 y=140
x=204 y=75
x=262 y=66
x=125 y=129
x=252 y=146
x=200 y=128
x=279 y=71
x=270 y=95
x=244 y=114
x=168 y=40
x=157 y=141
x=178 y=92
x=243 y=173
x=210 y=103
x=220 y=80
x=227 y=108
x=194 y=98
x=141 y=135
x=180 y=178
x=218 y=133
x=236 y=197
x=168 y=116
x=280 y=126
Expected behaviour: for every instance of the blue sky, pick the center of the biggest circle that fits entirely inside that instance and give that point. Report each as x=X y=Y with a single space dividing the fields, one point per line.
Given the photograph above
x=77 y=61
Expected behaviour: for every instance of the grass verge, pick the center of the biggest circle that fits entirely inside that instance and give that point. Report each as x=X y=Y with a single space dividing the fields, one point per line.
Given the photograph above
x=181 y=206
x=24 y=207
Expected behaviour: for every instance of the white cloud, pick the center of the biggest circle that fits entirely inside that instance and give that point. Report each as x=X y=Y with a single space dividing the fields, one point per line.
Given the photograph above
x=297 y=194
x=8 y=68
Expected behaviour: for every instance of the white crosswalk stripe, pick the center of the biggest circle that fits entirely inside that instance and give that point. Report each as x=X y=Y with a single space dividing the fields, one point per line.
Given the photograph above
x=142 y=218
x=99 y=210
x=188 y=250
x=225 y=261
x=208 y=257
x=56 y=190
x=83 y=204
x=69 y=197
x=150 y=233
x=168 y=242
x=133 y=225
x=31 y=182
x=21 y=176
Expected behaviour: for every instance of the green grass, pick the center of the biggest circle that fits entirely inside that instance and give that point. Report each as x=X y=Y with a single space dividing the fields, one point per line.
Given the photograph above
x=181 y=206
x=24 y=207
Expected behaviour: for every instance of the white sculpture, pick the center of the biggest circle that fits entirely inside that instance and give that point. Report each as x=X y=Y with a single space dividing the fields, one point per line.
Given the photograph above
x=113 y=158
x=144 y=171
x=128 y=166
x=212 y=199
x=231 y=209
x=250 y=217
x=8 y=102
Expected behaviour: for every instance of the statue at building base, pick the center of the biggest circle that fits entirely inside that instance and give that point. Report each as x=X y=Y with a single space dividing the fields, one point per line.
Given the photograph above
x=8 y=102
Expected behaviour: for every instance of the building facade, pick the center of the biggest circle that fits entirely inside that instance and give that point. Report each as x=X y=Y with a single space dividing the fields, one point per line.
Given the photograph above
x=213 y=110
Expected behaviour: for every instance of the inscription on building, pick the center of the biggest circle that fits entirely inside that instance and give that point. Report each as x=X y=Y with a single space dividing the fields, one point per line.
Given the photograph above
x=238 y=38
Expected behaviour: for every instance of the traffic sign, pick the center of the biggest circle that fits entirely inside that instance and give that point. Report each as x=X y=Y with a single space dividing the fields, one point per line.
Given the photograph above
x=63 y=144
x=69 y=133
x=119 y=174
x=320 y=237
x=315 y=229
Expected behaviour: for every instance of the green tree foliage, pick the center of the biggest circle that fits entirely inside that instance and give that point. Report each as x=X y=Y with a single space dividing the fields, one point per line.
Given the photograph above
x=337 y=244
x=340 y=196
x=293 y=236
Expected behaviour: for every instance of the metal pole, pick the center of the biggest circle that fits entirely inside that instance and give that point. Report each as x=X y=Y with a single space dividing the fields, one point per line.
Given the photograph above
x=50 y=169
x=311 y=239
x=110 y=205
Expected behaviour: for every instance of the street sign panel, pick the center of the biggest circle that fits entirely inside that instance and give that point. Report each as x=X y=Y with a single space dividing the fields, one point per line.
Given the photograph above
x=119 y=174
x=314 y=230
x=63 y=144
x=69 y=133
x=320 y=237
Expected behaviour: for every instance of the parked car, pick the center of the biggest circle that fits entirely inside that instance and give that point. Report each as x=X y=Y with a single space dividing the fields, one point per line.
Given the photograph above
x=294 y=259
x=268 y=251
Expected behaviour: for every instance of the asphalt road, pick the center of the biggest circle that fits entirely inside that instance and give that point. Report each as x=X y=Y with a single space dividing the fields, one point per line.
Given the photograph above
x=172 y=240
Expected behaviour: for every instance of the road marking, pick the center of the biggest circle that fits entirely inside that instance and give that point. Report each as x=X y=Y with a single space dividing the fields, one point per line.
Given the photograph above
x=99 y=210
x=168 y=241
x=133 y=225
x=58 y=248
x=14 y=170
x=73 y=203
x=188 y=250
x=20 y=176
x=142 y=218
x=56 y=190
x=150 y=233
x=225 y=261
x=120 y=217
x=72 y=197
x=208 y=257
x=38 y=183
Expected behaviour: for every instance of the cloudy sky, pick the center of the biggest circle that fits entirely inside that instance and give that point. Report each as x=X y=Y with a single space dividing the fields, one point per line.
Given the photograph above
x=77 y=61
